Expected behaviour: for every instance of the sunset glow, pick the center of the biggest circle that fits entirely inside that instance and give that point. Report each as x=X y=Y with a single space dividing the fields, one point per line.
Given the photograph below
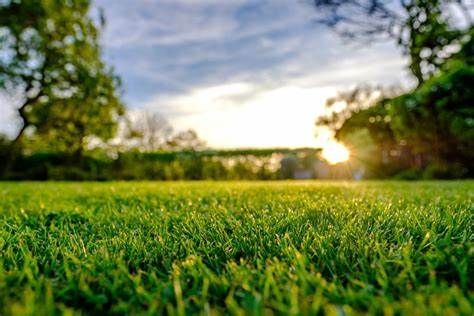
x=335 y=153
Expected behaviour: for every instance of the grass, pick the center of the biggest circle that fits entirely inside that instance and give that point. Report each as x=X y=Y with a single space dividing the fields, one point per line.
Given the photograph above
x=249 y=248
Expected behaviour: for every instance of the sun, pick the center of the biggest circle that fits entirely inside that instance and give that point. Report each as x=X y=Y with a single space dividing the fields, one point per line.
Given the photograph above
x=335 y=153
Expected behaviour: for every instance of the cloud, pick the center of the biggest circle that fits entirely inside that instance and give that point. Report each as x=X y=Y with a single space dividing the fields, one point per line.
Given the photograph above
x=217 y=60
x=200 y=100
x=172 y=47
x=145 y=23
x=277 y=111
x=248 y=115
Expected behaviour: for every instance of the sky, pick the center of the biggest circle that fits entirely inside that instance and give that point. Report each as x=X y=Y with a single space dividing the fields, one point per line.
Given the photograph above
x=242 y=73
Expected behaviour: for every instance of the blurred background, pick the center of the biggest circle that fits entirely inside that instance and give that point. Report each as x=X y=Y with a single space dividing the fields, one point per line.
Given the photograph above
x=244 y=89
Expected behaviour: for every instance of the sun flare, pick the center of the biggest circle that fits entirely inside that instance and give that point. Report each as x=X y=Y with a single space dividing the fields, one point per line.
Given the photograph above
x=335 y=153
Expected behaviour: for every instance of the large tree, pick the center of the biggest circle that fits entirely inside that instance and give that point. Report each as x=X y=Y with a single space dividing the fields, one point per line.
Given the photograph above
x=50 y=57
x=430 y=127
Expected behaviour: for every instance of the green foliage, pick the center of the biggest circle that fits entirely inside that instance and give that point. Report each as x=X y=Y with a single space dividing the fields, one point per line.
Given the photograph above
x=429 y=34
x=365 y=126
x=51 y=57
x=426 y=30
x=247 y=164
x=438 y=117
x=429 y=127
x=4 y=147
x=427 y=132
x=239 y=248
x=364 y=154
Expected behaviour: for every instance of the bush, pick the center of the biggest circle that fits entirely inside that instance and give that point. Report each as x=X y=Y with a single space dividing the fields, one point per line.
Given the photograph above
x=409 y=174
x=439 y=170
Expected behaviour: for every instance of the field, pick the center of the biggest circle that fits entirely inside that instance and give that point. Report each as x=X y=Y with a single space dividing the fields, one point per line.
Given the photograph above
x=237 y=247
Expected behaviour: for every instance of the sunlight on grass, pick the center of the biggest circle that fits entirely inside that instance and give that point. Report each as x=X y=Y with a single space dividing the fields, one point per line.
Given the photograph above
x=255 y=248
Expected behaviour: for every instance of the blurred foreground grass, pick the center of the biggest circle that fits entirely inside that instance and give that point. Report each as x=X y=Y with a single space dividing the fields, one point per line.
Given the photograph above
x=237 y=247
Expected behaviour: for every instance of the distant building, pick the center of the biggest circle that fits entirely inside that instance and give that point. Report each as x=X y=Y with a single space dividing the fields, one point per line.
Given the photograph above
x=302 y=174
x=322 y=170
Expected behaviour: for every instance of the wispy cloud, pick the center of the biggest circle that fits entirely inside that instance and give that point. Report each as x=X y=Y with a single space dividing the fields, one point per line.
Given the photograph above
x=245 y=115
x=176 y=46
x=145 y=23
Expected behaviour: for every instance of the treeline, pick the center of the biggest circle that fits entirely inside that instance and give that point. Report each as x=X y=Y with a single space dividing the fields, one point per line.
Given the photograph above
x=267 y=164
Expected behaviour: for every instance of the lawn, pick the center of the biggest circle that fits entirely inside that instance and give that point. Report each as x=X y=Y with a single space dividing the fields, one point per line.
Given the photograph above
x=237 y=247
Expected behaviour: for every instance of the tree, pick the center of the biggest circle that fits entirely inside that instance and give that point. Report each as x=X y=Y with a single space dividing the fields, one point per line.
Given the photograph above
x=432 y=124
x=147 y=131
x=438 y=118
x=360 y=118
x=186 y=140
x=429 y=129
x=50 y=51
x=346 y=103
x=425 y=29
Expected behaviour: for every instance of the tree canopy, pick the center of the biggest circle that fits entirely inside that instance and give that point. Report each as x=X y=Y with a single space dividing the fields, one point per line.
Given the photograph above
x=51 y=60
x=428 y=31
x=430 y=128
